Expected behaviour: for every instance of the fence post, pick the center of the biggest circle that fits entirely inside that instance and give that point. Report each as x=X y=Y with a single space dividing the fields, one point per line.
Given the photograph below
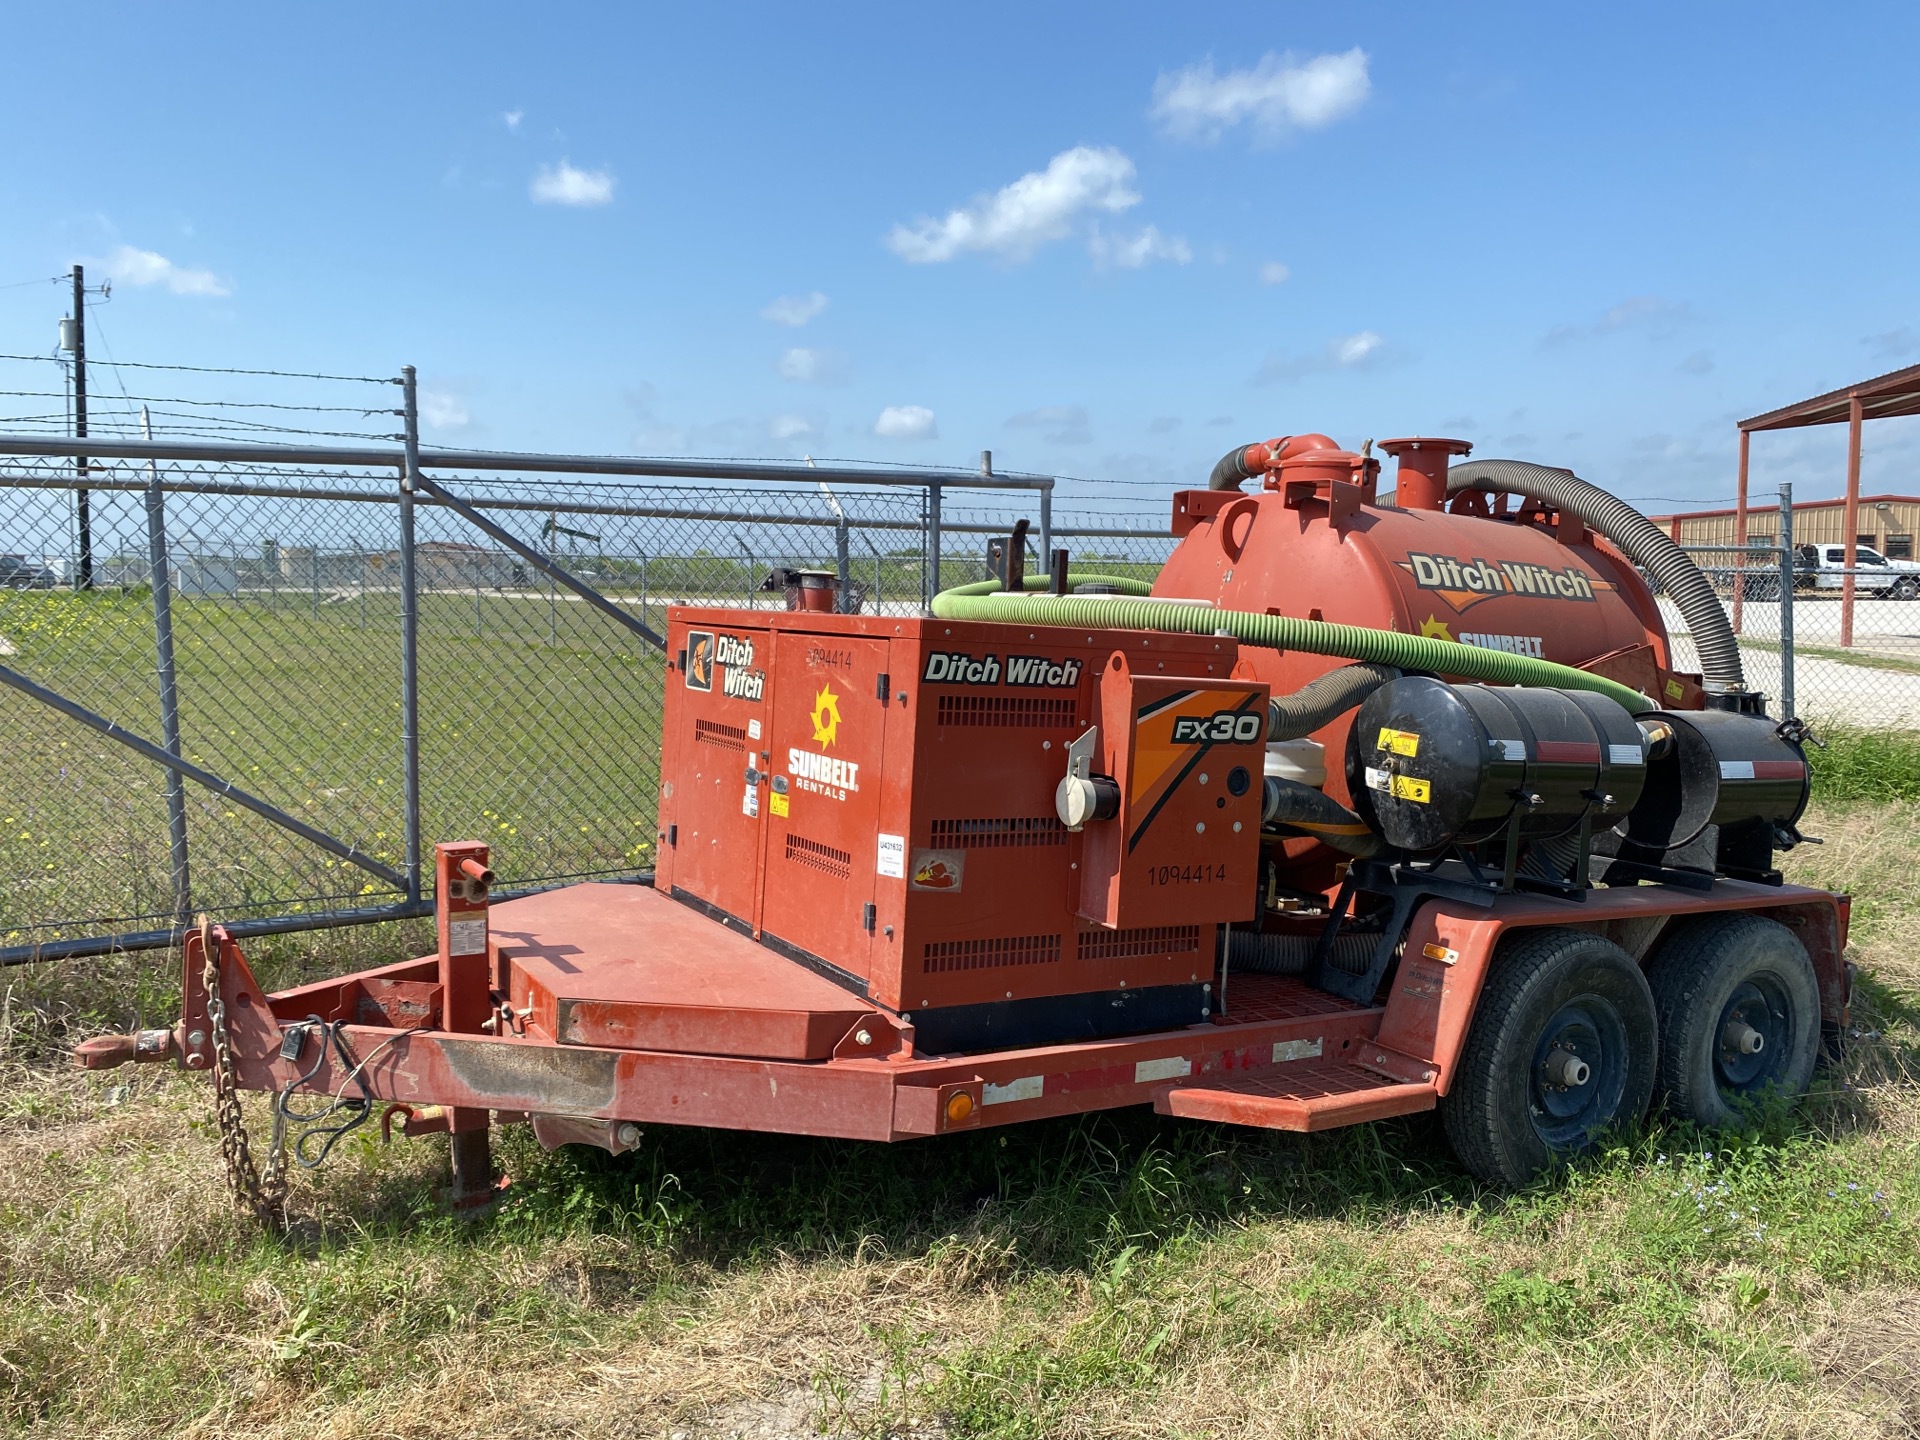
x=313 y=574
x=1046 y=525
x=643 y=588
x=933 y=543
x=842 y=564
x=1786 y=602
x=410 y=638
x=181 y=875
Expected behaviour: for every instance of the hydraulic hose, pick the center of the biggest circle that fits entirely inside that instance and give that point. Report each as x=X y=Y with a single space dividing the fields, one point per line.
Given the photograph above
x=1279 y=632
x=1639 y=538
x=1316 y=815
x=1321 y=701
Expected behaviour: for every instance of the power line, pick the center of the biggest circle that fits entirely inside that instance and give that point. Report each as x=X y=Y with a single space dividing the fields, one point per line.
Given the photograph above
x=22 y=284
x=236 y=370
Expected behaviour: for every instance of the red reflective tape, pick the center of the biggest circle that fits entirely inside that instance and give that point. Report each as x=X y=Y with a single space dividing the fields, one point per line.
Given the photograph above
x=1778 y=769
x=1567 y=752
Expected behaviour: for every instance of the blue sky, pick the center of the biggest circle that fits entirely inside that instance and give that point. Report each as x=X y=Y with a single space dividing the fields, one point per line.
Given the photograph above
x=1105 y=242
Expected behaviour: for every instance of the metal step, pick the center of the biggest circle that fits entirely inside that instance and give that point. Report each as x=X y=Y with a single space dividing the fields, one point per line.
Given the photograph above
x=1303 y=1097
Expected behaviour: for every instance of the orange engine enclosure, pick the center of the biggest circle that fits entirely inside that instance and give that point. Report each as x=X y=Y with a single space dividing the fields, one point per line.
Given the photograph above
x=874 y=797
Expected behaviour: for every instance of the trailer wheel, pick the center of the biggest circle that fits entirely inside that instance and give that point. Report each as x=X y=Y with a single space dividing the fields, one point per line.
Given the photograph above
x=1739 y=1012
x=1562 y=1046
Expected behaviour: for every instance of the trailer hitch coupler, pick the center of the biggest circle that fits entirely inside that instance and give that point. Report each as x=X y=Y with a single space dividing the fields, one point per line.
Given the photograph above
x=144 y=1047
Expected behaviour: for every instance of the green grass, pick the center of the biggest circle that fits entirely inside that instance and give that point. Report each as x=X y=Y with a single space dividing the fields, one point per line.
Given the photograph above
x=1875 y=766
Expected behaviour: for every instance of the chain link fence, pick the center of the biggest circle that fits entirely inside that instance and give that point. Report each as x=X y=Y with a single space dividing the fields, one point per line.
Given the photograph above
x=217 y=718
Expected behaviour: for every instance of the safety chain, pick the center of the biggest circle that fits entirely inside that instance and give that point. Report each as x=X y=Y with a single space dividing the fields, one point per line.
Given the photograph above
x=265 y=1195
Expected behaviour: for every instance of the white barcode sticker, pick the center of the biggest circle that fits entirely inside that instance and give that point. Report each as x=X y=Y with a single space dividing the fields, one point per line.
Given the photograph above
x=753 y=729
x=1378 y=779
x=1625 y=755
x=467 y=937
x=892 y=859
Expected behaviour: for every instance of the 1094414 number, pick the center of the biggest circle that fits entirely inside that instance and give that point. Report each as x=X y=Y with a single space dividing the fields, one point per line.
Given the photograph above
x=1185 y=874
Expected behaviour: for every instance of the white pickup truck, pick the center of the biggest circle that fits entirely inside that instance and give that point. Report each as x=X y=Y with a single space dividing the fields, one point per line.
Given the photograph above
x=1824 y=567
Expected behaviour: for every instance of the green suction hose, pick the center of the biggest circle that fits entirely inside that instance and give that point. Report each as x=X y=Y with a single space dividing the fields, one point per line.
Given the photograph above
x=1129 y=610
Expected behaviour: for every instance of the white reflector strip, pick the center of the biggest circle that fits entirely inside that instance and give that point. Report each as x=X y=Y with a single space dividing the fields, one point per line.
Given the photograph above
x=1171 y=1068
x=1736 y=769
x=1295 y=1050
x=1027 y=1087
x=1513 y=749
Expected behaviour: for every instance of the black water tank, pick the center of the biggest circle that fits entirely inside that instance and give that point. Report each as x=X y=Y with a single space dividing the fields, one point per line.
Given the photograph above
x=1431 y=765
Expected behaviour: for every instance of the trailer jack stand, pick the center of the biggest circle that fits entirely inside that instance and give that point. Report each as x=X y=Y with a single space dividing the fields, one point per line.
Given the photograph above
x=470 y=1151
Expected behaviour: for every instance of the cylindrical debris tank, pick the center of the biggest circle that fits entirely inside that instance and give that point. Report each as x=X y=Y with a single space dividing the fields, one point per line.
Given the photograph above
x=1432 y=765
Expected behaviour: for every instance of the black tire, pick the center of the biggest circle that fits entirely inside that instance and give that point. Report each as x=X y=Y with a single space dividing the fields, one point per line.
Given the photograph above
x=1904 y=589
x=1550 y=993
x=1712 y=973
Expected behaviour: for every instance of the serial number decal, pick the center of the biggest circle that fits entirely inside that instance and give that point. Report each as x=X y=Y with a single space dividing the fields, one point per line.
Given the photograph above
x=1223 y=725
x=1185 y=874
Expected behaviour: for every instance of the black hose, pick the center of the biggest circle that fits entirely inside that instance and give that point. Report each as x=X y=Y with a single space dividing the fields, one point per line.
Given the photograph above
x=1307 y=811
x=1232 y=468
x=1289 y=954
x=1643 y=542
x=1321 y=701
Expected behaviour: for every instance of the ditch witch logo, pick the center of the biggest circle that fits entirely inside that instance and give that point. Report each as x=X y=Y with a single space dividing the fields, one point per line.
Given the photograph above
x=1464 y=583
x=953 y=667
x=734 y=654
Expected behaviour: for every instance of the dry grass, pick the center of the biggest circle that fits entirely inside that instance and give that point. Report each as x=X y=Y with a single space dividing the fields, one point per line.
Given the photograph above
x=1116 y=1278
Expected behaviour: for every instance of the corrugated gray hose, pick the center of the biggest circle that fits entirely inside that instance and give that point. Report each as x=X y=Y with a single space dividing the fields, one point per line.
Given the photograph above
x=1639 y=538
x=1289 y=954
x=1321 y=701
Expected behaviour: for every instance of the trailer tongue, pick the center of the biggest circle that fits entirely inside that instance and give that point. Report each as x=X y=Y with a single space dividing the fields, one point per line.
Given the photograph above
x=927 y=874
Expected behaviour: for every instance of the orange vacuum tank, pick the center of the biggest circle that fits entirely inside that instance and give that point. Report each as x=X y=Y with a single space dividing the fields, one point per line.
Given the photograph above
x=1314 y=540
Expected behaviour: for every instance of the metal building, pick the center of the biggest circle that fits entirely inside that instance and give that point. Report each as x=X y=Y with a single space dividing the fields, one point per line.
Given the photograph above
x=1886 y=523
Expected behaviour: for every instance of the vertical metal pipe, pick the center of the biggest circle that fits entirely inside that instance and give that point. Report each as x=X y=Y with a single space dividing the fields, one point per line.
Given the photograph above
x=158 y=573
x=410 y=636
x=1854 y=418
x=842 y=564
x=643 y=589
x=313 y=575
x=1046 y=522
x=1740 y=535
x=1786 y=602
x=83 y=579
x=933 y=543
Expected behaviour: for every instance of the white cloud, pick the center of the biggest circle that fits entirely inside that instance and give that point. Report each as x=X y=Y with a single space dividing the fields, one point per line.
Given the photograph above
x=1039 y=207
x=1281 y=93
x=1130 y=253
x=806 y=366
x=441 y=411
x=562 y=184
x=1363 y=350
x=791 y=427
x=1351 y=350
x=795 y=310
x=513 y=118
x=906 y=422
x=1274 y=273
x=144 y=267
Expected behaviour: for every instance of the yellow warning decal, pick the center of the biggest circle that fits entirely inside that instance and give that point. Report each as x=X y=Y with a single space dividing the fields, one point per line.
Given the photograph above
x=1405 y=787
x=1673 y=689
x=1400 y=742
x=778 y=805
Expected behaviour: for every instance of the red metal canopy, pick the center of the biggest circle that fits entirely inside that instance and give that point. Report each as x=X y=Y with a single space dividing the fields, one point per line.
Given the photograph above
x=1895 y=393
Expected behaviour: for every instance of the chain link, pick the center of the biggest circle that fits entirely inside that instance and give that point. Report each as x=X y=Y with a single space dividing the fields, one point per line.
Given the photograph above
x=263 y=1193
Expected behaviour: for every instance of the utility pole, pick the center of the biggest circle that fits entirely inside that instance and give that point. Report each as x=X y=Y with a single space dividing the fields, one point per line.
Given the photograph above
x=83 y=580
